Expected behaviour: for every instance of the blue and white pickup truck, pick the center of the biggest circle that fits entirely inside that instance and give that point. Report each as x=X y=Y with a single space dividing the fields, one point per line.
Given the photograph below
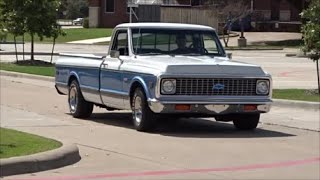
x=162 y=70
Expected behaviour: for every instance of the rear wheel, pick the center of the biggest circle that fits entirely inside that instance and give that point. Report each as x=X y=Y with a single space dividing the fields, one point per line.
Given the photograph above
x=79 y=107
x=246 y=121
x=143 y=118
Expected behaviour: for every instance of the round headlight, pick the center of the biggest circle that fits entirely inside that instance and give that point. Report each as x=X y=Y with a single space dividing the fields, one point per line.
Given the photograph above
x=168 y=86
x=262 y=87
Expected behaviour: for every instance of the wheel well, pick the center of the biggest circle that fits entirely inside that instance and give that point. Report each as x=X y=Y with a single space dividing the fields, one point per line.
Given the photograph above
x=72 y=77
x=134 y=86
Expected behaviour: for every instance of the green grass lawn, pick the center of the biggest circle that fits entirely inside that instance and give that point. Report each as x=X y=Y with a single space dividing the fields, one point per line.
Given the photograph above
x=71 y=35
x=296 y=94
x=37 y=70
x=14 y=143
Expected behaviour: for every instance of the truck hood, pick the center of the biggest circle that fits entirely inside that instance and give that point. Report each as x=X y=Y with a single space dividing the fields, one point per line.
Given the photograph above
x=191 y=65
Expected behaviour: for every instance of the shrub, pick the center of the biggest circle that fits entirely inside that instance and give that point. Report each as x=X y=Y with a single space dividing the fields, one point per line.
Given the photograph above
x=86 y=22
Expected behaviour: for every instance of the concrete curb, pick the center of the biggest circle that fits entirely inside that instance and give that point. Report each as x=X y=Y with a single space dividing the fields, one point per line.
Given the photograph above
x=24 y=75
x=299 y=55
x=28 y=53
x=296 y=104
x=66 y=155
x=276 y=102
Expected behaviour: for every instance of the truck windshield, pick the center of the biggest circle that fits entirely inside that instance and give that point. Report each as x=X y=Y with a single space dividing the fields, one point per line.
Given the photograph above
x=176 y=42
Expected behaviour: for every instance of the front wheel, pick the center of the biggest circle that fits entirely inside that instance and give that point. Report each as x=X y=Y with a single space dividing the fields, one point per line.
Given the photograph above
x=79 y=107
x=246 y=121
x=143 y=118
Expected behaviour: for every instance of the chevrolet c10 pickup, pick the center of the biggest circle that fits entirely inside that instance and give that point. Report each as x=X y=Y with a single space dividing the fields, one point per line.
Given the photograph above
x=165 y=70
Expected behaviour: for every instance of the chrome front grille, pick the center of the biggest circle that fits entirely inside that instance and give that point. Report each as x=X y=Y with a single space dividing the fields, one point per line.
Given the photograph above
x=216 y=87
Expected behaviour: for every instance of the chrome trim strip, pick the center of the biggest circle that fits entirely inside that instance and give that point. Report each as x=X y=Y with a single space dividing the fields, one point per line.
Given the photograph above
x=217 y=102
x=127 y=72
x=266 y=76
x=115 y=92
x=77 y=67
x=208 y=107
x=88 y=88
x=216 y=97
x=81 y=56
x=61 y=84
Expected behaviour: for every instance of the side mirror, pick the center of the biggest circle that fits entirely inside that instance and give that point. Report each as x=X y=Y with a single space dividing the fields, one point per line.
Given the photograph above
x=114 y=54
x=229 y=55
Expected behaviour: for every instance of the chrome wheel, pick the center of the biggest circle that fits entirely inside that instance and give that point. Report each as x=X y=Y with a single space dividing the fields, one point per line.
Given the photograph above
x=137 y=111
x=73 y=98
x=143 y=118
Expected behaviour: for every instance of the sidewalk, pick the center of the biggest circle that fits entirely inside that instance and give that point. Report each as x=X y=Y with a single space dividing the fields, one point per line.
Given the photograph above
x=14 y=118
x=256 y=37
x=91 y=41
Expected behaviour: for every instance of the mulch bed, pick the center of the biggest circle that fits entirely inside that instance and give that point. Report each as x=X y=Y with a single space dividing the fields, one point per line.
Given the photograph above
x=34 y=63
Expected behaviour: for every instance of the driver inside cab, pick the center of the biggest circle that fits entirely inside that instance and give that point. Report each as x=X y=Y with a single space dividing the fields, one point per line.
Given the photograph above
x=181 y=42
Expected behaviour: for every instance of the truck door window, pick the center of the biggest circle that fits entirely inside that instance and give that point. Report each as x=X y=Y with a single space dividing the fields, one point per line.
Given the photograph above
x=121 y=43
x=209 y=44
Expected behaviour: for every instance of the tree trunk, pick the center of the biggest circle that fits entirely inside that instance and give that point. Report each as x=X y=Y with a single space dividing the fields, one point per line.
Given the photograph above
x=15 y=47
x=226 y=39
x=32 y=46
x=23 y=46
x=54 y=43
x=318 y=77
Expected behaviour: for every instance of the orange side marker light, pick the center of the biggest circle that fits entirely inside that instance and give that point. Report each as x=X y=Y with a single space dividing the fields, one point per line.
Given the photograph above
x=182 y=107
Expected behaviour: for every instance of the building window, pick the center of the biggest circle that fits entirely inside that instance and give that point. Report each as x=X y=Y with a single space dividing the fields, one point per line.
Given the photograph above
x=110 y=6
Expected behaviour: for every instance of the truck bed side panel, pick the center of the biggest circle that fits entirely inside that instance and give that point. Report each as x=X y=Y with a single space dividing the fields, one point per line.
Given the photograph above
x=85 y=70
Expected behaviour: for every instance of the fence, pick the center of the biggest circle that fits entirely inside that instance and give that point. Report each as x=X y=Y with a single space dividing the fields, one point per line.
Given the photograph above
x=149 y=13
x=190 y=15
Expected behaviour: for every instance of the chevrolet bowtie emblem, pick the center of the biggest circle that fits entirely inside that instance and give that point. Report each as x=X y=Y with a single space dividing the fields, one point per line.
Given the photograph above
x=218 y=86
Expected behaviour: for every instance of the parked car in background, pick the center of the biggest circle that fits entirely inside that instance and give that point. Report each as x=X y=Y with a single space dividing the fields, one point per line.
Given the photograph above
x=165 y=69
x=78 y=21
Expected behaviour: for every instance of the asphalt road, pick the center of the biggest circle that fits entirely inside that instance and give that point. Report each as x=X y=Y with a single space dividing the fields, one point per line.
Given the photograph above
x=188 y=149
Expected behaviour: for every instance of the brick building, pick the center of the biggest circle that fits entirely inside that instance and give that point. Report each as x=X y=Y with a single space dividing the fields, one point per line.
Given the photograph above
x=267 y=14
x=278 y=15
x=107 y=13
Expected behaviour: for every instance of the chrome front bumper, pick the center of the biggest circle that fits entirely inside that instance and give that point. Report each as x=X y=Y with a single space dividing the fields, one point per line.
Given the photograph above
x=213 y=108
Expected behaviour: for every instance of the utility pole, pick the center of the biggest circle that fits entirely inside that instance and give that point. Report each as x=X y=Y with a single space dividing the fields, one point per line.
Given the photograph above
x=251 y=6
x=131 y=6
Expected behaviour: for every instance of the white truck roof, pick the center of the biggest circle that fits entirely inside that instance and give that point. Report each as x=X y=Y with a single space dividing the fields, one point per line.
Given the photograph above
x=164 y=25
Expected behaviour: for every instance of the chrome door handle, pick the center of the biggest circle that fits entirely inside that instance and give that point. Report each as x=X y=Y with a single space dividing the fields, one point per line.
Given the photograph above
x=105 y=65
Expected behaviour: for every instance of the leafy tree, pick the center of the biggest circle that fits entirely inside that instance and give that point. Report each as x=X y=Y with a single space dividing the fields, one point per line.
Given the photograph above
x=311 y=33
x=36 y=17
x=76 y=9
x=12 y=18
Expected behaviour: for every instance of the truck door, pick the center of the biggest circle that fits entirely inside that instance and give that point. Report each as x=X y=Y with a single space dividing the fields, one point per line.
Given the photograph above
x=111 y=87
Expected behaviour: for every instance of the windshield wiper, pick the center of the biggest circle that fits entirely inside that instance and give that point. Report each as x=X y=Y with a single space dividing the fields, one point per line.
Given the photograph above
x=150 y=53
x=190 y=54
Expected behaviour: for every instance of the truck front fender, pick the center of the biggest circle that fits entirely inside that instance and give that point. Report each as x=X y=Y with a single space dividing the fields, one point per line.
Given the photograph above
x=73 y=75
x=139 y=81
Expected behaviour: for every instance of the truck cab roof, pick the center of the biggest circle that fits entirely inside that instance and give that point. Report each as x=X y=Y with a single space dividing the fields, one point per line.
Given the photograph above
x=164 y=25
